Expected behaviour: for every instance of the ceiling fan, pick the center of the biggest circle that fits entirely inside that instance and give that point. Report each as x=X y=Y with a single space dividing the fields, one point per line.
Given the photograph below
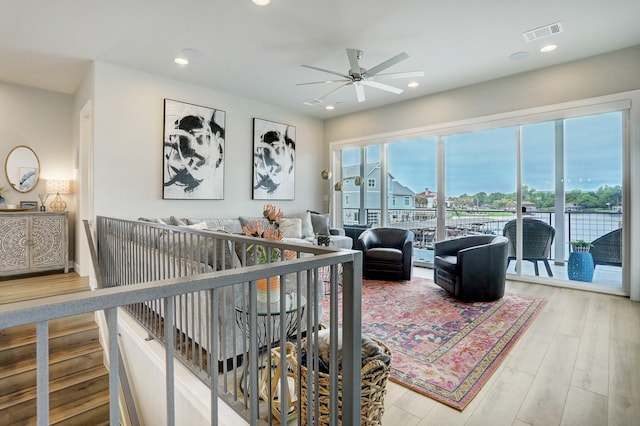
x=359 y=77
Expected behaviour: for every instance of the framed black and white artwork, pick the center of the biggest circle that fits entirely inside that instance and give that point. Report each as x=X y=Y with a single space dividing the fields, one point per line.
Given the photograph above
x=193 y=164
x=274 y=160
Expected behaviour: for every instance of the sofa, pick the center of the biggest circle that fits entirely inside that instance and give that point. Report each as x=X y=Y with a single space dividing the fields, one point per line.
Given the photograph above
x=218 y=254
x=298 y=228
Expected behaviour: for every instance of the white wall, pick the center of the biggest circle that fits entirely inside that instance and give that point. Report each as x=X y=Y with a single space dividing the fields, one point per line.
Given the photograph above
x=144 y=362
x=128 y=114
x=39 y=119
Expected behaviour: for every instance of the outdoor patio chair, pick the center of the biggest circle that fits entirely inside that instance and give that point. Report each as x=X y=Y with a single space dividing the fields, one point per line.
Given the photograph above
x=537 y=237
x=607 y=250
x=472 y=268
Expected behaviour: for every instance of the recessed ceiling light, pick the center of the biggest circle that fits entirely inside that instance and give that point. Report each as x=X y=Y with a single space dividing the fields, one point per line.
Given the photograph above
x=329 y=107
x=518 y=56
x=413 y=84
x=181 y=61
x=261 y=2
x=548 y=48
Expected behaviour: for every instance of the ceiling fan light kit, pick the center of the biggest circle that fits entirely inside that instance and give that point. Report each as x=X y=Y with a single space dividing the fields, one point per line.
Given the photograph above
x=358 y=77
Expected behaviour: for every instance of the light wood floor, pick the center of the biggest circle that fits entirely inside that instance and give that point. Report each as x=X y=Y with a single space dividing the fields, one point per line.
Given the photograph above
x=578 y=364
x=16 y=289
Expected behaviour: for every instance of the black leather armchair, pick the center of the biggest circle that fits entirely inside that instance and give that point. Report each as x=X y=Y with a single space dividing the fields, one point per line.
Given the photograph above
x=386 y=253
x=472 y=268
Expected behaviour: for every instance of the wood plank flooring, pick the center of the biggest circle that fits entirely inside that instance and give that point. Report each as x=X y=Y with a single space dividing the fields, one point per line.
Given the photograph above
x=578 y=364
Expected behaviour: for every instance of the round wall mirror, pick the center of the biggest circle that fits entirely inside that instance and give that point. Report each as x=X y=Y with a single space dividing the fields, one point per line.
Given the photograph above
x=22 y=169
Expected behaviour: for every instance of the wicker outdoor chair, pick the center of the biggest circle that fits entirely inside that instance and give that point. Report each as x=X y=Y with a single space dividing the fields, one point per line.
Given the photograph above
x=537 y=237
x=607 y=250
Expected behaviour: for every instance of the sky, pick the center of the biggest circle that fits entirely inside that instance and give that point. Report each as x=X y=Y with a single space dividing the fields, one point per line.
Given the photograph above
x=485 y=161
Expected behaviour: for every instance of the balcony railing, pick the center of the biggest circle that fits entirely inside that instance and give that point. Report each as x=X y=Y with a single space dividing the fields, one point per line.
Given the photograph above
x=582 y=225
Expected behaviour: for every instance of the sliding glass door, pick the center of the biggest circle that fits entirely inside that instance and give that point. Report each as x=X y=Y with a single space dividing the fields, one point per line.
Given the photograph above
x=411 y=192
x=556 y=183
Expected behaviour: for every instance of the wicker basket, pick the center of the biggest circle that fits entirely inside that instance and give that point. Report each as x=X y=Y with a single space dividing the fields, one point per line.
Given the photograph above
x=374 y=388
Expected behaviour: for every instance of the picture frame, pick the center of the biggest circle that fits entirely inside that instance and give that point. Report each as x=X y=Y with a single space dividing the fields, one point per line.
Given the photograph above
x=274 y=160
x=31 y=205
x=193 y=152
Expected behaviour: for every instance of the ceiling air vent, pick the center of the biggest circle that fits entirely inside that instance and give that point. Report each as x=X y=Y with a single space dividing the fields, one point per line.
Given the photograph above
x=542 y=32
x=312 y=102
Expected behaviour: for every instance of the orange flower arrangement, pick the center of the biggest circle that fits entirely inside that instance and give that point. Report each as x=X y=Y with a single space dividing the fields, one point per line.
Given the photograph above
x=256 y=229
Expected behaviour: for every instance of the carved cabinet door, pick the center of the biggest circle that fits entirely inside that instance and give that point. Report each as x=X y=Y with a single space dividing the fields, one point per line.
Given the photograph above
x=14 y=243
x=47 y=241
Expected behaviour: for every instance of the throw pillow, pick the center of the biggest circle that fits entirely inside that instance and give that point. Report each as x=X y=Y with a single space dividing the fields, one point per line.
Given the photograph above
x=291 y=227
x=307 y=226
x=320 y=223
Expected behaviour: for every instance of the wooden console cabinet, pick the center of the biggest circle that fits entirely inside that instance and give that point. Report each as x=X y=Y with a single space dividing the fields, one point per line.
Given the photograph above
x=33 y=242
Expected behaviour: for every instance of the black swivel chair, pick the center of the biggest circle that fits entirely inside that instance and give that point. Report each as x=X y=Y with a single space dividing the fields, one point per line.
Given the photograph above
x=472 y=268
x=386 y=253
x=537 y=237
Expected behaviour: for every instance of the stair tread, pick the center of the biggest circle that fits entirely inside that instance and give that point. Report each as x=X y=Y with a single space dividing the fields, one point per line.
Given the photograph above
x=29 y=339
x=29 y=364
x=70 y=410
x=67 y=411
x=56 y=324
x=55 y=385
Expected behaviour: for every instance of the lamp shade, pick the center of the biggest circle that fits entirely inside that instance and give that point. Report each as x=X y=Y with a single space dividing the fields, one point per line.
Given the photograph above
x=58 y=186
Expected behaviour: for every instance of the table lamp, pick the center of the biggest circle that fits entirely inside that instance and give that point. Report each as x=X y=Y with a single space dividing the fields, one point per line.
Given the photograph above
x=58 y=187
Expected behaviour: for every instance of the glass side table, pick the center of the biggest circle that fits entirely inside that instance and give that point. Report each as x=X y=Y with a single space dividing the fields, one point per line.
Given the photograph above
x=269 y=318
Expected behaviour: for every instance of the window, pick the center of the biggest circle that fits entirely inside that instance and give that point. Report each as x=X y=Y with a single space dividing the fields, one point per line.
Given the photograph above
x=565 y=169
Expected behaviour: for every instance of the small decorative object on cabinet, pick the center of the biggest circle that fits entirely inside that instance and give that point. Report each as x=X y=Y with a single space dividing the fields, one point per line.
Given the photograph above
x=580 y=266
x=33 y=242
x=58 y=187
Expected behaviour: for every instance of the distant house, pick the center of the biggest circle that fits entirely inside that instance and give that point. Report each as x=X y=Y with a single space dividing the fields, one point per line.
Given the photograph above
x=528 y=207
x=400 y=197
x=426 y=199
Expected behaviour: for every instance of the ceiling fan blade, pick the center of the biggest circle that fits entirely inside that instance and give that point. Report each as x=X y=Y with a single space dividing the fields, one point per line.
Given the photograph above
x=386 y=64
x=382 y=86
x=352 y=54
x=329 y=71
x=359 y=92
x=334 y=90
x=322 y=82
x=408 y=74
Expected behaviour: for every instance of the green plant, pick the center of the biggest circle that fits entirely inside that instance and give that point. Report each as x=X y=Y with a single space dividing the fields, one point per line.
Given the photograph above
x=581 y=243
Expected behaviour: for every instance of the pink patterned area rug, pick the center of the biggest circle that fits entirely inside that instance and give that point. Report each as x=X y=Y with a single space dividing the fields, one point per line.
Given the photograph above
x=443 y=348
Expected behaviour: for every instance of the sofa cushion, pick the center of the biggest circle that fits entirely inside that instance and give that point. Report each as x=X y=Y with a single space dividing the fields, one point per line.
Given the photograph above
x=177 y=221
x=201 y=226
x=223 y=257
x=307 y=226
x=246 y=220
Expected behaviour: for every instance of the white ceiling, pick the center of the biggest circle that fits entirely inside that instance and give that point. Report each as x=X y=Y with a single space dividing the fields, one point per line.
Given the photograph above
x=256 y=52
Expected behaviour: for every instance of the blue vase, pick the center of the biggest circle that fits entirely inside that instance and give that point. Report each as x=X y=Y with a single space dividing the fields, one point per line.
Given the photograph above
x=580 y=267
